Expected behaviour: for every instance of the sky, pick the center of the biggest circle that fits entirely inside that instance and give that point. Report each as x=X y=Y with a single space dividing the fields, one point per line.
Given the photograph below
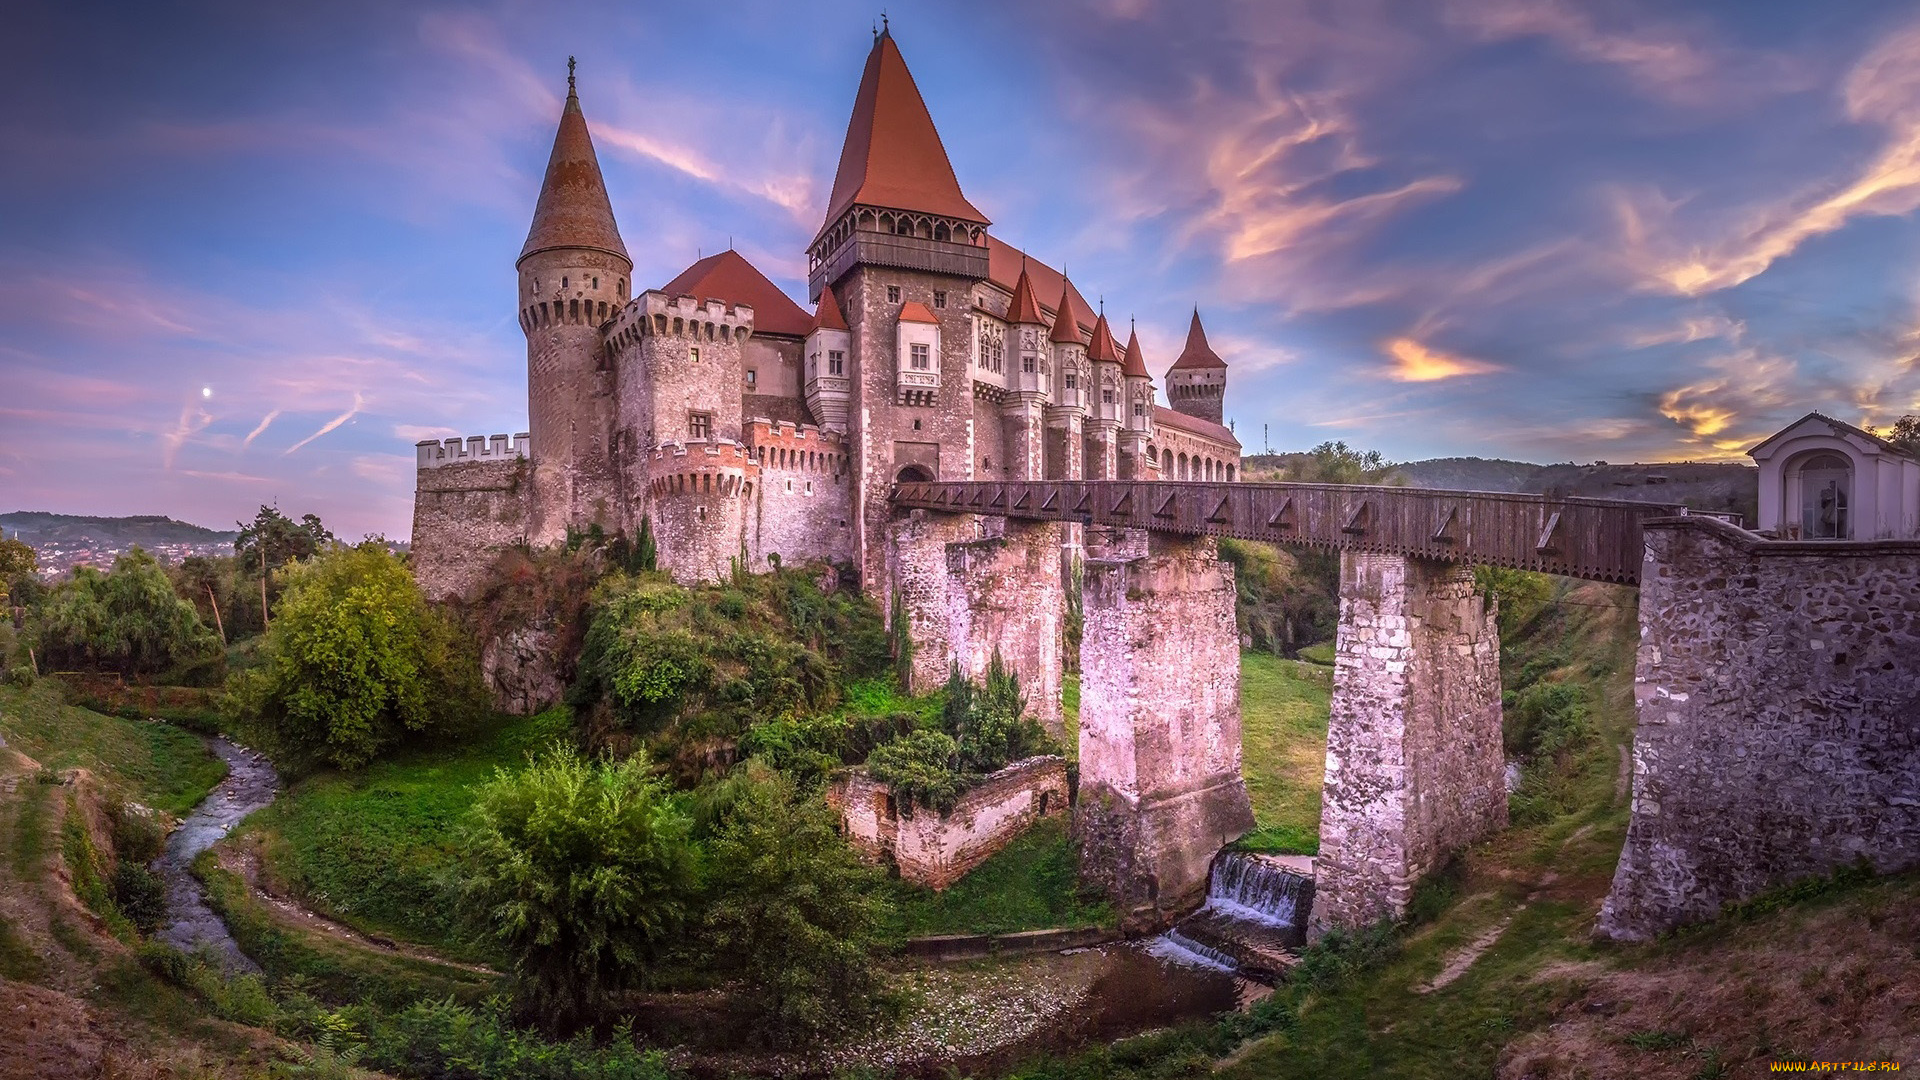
x=250 y=252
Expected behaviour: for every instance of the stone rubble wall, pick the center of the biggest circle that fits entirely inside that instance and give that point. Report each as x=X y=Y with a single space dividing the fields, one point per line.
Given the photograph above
x=1778 y=686
x=935 y=849
x=1005 y=595
x=1160 y=788
x=1415 y=769
x=463 y=514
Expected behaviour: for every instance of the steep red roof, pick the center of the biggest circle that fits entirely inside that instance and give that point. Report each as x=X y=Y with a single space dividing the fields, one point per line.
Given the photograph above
x=1134 y=365
x=729 y=277
x=1066 y=329
x=1101 y=347
x=893 y=156
x=1165 y=417
x=1005 y=263
x=828 y=316
x=573 y=211
x=1024 y=309
x=915 y=311
x=1197 y=354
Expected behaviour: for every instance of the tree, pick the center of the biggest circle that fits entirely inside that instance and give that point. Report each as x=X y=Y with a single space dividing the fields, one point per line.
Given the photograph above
x=1338 y=463
x=1905 y=434
x=18 y=560
x=990 y=722
x=583 y=871
x=356 y=660
x=128 y=620
x=793 y=913
x=282 y=539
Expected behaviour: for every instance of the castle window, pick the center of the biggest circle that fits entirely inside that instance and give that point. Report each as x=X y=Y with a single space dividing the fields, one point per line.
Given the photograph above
x=694 y=355
x=893 y=294
x=1073 y=381
x=1026 y=364
x=699 y=425
x=813 y=364
x=753 y=377
x=921 y=361
x=916 y=425
x=939 y=298
x=623 y=288
x=596 y=283
x=789 y=485
x=836 y=362
x=1106 y=397
x=1139 y=409
x=809 y=487
x=563 y=283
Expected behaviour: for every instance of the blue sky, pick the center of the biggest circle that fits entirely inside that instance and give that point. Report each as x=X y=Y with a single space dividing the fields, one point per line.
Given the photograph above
x=251 y=252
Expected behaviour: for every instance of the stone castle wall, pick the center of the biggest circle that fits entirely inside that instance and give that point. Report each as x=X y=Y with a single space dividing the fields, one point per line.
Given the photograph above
x=802 y=507
x=1779 y=731
x=463 y=514
x=1415 y=769
x=1005 y=596
x=699 y=495
x=935 y=849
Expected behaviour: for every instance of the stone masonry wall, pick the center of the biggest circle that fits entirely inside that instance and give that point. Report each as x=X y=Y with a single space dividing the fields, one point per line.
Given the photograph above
x=462 y=516
x=1160 y=786
x=935 y=849
x=1005 y=595
x=1778 y=686
x=1414 y=760
x=802 y=507
x=917 y=572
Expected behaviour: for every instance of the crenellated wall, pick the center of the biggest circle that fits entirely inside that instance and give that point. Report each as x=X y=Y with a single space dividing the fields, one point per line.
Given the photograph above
x=1160 y=786
x=1778 y=686
x=463 y=514
x=802 y=508
x=699 y=494
x=1415 y=769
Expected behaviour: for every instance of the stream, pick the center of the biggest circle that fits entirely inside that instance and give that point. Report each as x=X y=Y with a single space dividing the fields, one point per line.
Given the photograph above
x=191 y=924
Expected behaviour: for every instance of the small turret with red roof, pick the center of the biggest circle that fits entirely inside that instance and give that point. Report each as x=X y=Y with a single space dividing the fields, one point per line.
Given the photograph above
x=1197 y=381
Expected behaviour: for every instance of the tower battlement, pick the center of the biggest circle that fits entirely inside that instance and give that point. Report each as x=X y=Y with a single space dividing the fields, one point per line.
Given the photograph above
x=782 y=444
x=438 y=453
x=702 y=467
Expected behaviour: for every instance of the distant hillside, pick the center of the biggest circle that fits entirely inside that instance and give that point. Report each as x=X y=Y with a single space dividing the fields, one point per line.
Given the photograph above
x=148 y=531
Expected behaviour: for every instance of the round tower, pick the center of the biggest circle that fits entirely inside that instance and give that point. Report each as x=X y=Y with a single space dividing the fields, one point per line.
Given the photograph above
x=574 y=275
x=1197 y=382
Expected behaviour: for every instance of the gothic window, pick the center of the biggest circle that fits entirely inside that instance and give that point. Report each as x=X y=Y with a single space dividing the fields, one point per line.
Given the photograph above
x=1073 y=381
x=1139 y=409
x=939 y=298
x=893 y=294
x=921 y=361
x=1106 y=397
x=699 y=425
x=836 y=362
x=596 y=283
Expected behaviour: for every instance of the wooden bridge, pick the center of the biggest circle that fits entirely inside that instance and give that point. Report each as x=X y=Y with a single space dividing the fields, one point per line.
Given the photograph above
x=1595 y=539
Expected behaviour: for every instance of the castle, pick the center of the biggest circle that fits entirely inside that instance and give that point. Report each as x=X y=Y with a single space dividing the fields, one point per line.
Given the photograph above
x=740 y=426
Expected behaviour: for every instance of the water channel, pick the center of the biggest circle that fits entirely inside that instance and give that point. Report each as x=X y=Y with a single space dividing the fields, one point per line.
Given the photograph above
x=251 y=783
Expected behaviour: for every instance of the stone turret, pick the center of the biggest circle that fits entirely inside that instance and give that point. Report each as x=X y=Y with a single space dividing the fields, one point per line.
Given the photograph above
x=828 y=385
x=1107 y=404
x=1197 y=381
x=1029 y=378
x=1136 y=420
x=574 y=274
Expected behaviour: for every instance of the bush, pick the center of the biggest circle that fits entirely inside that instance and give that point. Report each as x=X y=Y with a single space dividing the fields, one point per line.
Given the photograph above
x=355 y=661
x=793 y=913
x=1521 y=594
x=1546 y=720
x=582 y=871
x=990 y=722
x=921 y=767
x=445 y=1041
x=137 y=835
x=139 y=895
x=128 y=620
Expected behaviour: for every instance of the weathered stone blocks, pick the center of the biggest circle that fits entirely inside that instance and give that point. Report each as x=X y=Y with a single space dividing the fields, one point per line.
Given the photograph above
x=1414 y=762
x=1160 y=786
x=935 y=849
x=1778 y=687
x=1005 y=597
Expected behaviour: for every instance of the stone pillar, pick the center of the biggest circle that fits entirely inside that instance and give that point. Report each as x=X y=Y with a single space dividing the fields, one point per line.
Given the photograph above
x=918 y=584
x=1160 y=786
x=1415 y=769
x=1102 y=459
x=1005 y=595
x=1024 y=435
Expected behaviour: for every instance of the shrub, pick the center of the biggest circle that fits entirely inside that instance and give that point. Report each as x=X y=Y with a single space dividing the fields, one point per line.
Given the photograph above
x=921 y=767
x=990 y=722
x=355 y=660
x=1521 y=594
x=793 y=913
x=581 y=870
x=139 y=895
x=137 y=835
x=128 y=620
x=445 y=1041
x=1546 y=720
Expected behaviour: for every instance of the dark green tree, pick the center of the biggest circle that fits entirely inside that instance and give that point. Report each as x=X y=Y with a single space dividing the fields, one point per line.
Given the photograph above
x=1905 y=434
x=280 y=538
x=583 y=871
x=127 y=620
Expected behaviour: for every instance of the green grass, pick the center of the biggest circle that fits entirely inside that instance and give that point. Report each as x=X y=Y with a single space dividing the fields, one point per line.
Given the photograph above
x=17 y=958
x=1030 y=884
x=1321 y=654
x=375 y=848
x=1070 y=714
x=160 y=765
x=1283 y=746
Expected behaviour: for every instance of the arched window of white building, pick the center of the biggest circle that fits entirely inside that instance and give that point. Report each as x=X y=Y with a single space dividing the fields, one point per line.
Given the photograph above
x=1825 y=481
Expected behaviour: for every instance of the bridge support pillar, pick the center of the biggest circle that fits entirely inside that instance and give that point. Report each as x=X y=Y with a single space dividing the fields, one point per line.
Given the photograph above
x=918 y=602
x=1005 y=595
x=1160 y=787
x=1415 y=769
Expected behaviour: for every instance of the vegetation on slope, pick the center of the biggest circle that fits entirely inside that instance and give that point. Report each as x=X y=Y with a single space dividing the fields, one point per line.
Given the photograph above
x=1283 y=741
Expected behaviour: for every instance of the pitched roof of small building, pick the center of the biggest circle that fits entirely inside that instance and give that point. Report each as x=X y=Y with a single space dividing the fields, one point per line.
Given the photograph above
x=1173 y=418
x=915 y=311
x=1134 y=365
x=573 y=210
x=729 y=277
x=1066 y=329
x=1101 y=347
x=1197 y=354
x=1838 y=427
x=893 y=156
x=1024 y=309
x=828 y=316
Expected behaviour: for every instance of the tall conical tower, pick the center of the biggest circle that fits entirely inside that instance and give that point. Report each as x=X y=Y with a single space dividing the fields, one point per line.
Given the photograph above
x=574 y=275
x=1197 y=382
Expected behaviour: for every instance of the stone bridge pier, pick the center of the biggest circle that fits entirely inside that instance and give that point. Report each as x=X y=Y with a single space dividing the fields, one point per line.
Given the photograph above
x=1415 y=769
x=1160 y=786
x=965 y=598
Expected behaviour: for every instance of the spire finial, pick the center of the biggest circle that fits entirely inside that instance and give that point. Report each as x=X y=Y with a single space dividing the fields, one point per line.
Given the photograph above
x=571 y=92
x=884 y=28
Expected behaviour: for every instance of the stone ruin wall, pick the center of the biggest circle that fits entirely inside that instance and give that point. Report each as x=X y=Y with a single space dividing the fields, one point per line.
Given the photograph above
x=463 y=514
x=1415 y=767
x=1778 y=687
x=1005 y=595
x=802 y=507
x=935 y=849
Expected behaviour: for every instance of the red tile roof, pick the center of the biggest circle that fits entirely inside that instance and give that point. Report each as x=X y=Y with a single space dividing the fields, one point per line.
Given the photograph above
x=893 y=156
x=1134 y=365
x=828 y=316
x=1197 y=354
x=1066 y=329
x=1101 y=347
x=1024 y=309
x=1165 y=417
x=730 y=278
x=915 y=311
x=1005 y=262
x=573 y=211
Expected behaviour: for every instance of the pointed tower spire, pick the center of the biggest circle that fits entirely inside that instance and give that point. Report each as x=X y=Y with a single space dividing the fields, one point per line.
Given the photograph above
x=573 y=211
x=1066 y=330
x=1101 y=347
x=1134 y=364
x=1024 y=308
x=1197 y=354
x=828 y=316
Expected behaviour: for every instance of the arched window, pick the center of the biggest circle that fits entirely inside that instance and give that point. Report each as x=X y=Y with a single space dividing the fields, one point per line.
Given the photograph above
x=1826 y=494
x=1181 y=472
x=914 y=474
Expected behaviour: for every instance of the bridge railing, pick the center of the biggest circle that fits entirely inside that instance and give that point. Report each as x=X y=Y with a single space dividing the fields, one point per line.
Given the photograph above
x=1596 y=539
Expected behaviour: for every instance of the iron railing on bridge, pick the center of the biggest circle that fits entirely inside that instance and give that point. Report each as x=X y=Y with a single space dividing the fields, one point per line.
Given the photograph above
x=1596 y=539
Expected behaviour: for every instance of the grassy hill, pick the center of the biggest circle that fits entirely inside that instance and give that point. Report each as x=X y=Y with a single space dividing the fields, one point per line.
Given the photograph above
x=147 y=530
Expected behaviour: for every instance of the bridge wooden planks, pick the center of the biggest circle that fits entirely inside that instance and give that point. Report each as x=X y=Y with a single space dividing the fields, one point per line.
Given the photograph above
x=1595 y=539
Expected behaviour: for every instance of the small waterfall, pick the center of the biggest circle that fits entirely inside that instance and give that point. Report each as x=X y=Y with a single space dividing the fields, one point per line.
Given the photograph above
x=1176 y=947
x=1254 y=919
x=1259 y=890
